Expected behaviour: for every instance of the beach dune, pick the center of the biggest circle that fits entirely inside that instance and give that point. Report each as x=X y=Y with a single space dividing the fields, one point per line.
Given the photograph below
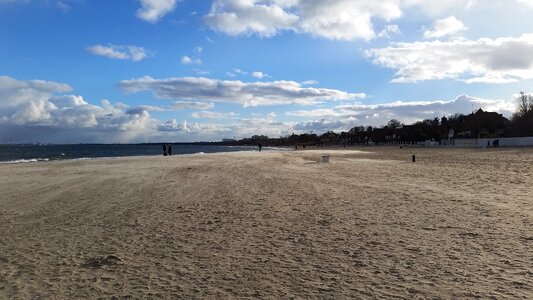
x=369 y=224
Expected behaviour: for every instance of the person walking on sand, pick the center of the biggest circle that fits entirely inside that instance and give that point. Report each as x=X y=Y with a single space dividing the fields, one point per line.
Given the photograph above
x=164 y=149
x=169 y=149
x=260 y=147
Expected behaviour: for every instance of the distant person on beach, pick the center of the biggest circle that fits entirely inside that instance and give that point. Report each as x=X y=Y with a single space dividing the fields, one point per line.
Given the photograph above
x=164 y=149
x=260 y=147
x=169 y=148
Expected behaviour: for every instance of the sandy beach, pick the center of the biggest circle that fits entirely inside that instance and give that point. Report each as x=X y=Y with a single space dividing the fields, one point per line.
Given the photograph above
x=370 y=224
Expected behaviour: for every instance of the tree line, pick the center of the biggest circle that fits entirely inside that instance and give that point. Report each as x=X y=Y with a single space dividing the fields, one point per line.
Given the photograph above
x=479 y=124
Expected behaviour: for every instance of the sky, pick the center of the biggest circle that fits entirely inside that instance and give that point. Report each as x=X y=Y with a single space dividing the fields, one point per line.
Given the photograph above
x=99 y=71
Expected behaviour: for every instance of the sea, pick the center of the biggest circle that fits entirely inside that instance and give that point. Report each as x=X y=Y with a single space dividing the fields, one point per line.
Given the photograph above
x=10 y=154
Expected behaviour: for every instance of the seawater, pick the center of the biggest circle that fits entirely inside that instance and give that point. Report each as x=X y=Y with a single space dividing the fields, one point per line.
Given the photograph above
x=34 y=153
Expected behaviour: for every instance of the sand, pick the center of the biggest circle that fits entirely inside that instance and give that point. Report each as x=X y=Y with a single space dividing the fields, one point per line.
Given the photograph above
x=369 y=224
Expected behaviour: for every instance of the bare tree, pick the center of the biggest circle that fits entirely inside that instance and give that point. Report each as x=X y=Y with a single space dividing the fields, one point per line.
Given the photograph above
x=524 y=105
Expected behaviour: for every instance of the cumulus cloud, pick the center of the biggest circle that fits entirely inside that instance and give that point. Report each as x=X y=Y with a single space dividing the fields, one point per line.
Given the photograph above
x=201 y=89
x=35 y=110
x=153 y=10
x=265 y=18
x=445 y=27
x=406 y=112
x=331 y=19
x=334 y=19
x=501 y=60
x=193 y=128
x=119 y=52
x=16 y=92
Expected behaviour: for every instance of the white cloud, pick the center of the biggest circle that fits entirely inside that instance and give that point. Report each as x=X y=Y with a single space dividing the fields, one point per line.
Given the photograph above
x=345 y=19
x=178 y=105
x=309 y=82
x=258 y=74
x=186 y=60
x=247 y=94
x=239 y=71
x=16 y=92
x=213 y=115
x=264 y=18
x=485 y=60
x=193 y=128
x=201 y=72
x=389 y=30
x=406 y=112
x=439 y=8
x=33 y=111
x=37 y=111
x=153 y=10
x=527 y=2
x=444 y=27
x=119 y=52
x=333 y=19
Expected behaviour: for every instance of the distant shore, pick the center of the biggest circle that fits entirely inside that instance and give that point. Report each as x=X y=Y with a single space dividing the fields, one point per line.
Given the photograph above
x=370 y=223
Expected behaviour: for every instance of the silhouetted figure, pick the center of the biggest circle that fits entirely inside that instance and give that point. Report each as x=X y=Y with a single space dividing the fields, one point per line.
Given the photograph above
x=164 y=149
x=260 y=147
x=169 y=149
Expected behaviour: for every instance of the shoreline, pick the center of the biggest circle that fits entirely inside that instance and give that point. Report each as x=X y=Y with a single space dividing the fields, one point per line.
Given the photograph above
x=54 y=159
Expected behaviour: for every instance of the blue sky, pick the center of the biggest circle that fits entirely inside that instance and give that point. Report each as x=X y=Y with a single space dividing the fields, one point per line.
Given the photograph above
x=167 y=70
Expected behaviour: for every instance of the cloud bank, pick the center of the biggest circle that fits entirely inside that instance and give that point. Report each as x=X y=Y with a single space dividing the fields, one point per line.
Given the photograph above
x=501 y=60
x=200 y=89
x=331 y=19
x=406 y=111
x=44 y=111
x=36 y=110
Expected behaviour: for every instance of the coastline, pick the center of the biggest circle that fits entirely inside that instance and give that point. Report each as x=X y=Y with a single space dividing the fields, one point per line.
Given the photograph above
x=41 y=158
x=369 y=224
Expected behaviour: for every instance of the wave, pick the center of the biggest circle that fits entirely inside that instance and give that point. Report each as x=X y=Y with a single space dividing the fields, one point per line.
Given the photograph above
x=19 y=161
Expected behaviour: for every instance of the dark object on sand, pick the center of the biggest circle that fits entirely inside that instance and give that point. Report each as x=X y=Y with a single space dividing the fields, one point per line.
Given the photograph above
x=97 y=262
x=164 y=149
x=260 y=147
x=169 y=149
x=414 y=158
x=496 y=143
